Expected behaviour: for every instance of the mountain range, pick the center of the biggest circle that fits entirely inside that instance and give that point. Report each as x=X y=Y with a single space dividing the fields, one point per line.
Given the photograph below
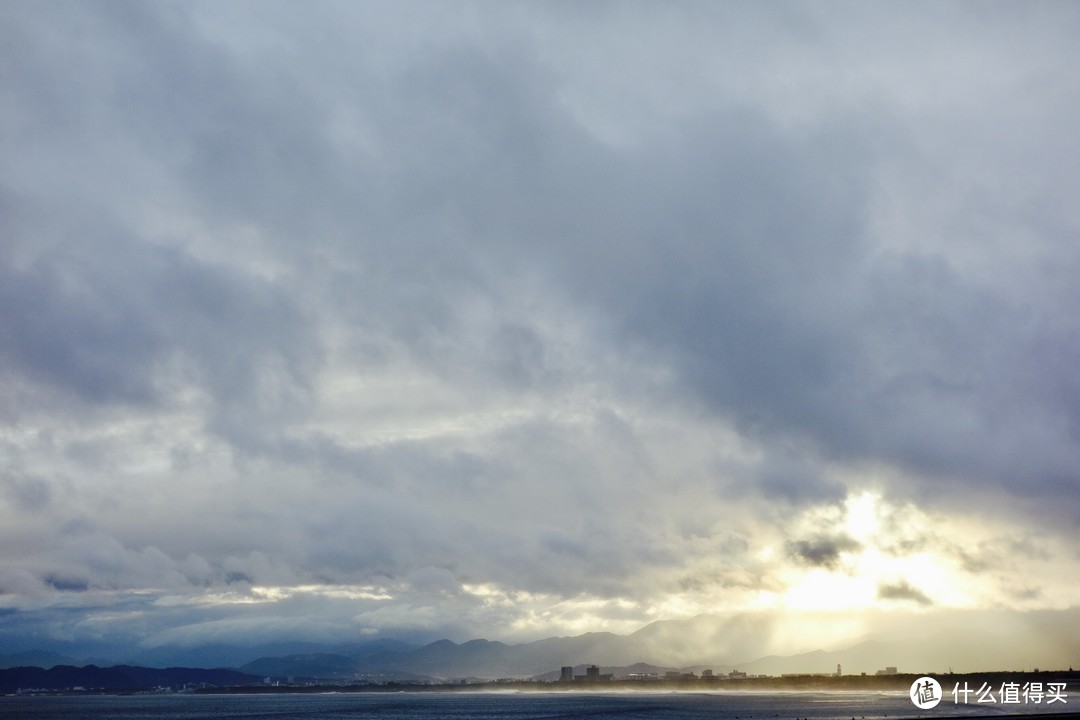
x=964 y=642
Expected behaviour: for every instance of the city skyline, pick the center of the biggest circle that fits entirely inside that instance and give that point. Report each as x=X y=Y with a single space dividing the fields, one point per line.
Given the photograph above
x=345 y=321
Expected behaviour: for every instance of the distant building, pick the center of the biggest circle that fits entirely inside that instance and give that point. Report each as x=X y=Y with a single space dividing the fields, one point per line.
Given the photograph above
x=643 y=676
x=706 y=673
x=592 y=675
x=838 y=673
x=566 y=674
x=889 y=670
x=736 y=675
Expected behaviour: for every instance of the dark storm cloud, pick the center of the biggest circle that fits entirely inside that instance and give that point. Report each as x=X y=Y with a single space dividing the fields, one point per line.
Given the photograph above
x=95 y=353
x=760 y=284
x=105 y=323
x=903 y=591
x=740 y=252
x=785 y=476
x=822 y=550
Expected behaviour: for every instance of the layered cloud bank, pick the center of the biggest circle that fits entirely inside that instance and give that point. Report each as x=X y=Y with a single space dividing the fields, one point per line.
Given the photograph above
x=508 y=321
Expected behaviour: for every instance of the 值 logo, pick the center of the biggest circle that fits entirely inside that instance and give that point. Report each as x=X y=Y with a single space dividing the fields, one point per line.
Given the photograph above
x=925 y=693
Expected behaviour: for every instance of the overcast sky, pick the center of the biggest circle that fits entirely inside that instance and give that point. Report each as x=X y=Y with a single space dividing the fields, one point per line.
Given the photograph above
x=354 y=320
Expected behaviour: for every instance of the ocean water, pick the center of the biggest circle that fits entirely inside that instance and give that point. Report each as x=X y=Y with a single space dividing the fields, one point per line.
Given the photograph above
x=485 y=706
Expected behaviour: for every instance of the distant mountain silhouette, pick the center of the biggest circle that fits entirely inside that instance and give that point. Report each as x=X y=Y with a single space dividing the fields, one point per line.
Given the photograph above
x=34 y=658
x=964 y=641
x=310 y=665
x=224 y=655
x=974 y=642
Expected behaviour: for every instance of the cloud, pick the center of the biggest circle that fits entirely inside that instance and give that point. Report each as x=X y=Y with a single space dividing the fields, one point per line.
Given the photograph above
x=617 y=314
x=822 y=550
x=903 y=591
x=21 y=588
x=247 y=631
x=28 y=494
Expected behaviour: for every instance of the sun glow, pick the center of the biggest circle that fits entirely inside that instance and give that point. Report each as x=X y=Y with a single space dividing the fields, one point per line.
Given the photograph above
x=861 y=511
x=822 y=589
x=872 y=555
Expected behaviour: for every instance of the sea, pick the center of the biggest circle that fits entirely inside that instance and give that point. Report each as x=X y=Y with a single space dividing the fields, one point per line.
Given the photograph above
x=493 y=705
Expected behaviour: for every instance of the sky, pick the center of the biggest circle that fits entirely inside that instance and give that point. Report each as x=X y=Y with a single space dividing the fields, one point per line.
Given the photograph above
x=347 y=320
